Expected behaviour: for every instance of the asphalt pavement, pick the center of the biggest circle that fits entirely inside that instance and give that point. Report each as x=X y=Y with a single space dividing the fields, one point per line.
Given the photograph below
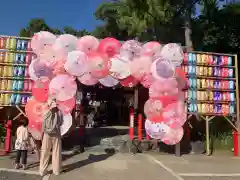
x=102 y=166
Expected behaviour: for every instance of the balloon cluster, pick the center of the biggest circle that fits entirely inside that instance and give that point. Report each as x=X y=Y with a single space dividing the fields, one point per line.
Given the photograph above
x=63 y=59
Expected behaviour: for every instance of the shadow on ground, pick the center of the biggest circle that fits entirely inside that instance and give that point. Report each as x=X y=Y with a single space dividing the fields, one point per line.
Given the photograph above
x=91 y=159
x=91 y=136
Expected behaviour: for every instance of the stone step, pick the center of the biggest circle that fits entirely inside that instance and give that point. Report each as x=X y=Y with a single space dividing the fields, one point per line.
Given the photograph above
x=103 y=149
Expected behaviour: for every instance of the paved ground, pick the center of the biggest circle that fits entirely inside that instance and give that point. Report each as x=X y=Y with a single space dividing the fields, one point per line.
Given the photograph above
x=97 y=166
x=5 y=175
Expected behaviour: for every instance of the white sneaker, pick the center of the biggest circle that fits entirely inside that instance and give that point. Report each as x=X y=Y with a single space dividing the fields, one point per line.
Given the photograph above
x=42 y=173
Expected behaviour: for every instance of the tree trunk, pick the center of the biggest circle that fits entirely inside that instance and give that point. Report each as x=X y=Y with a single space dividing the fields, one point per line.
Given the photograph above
x=188 y=31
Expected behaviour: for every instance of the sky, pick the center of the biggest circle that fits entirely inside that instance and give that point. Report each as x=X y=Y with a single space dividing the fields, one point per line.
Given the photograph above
x=15 y=14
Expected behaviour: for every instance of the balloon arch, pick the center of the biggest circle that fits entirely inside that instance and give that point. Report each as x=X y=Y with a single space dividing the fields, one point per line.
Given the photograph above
x=63 y=59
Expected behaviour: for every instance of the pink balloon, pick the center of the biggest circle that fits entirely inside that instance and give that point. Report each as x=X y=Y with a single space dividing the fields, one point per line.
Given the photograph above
x=109 y=46
x=152 y=48
x=58 y=68
x=76 y=63
x=163 y=88
x=130 y=49
x=156 y=130
x=174 y=53
x=31 y=71
x=147 y=80
x=63 y=87
x=174 y=114
x=119 y=69
x=66 y=43
x=51 y=56
x=41 y=41
x=99 y=64
x=87 y=44
x=173 y=136
x=140 y=67
x=87 y=79
x=153 y=108
x=66 y=106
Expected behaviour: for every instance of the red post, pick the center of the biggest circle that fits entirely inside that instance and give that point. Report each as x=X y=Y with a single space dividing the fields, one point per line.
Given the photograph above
x=131 y=126
x=8 y=138
x=140 y=127
x=235 y=142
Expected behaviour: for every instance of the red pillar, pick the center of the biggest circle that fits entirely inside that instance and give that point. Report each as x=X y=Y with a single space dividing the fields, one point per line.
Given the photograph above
x=8 y=138
x=140 y=127
x=235 y=142
x=131 y=126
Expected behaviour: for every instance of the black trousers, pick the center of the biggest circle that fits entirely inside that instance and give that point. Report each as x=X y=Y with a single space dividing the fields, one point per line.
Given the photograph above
x=21 y=154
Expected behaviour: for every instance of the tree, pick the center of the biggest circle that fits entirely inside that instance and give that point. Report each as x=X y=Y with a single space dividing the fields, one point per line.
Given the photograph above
x=78 y=33
x=39 y=24
x=36 y=25
x=218 y=31
x=145 y=20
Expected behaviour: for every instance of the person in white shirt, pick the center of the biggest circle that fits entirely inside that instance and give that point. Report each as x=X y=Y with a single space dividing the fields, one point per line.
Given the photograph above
x=22 y=143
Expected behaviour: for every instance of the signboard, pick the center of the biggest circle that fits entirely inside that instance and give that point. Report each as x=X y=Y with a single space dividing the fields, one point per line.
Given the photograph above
x=15 y=84
x=212 y=83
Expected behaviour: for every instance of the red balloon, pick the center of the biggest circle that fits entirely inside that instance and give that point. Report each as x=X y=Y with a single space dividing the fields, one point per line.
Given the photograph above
x=109 y=46
x=166 y=100
x=40 y=90
x=99 y=64
x=181 y=78
x=130 y=81
x=66 y=106
x=34 y=111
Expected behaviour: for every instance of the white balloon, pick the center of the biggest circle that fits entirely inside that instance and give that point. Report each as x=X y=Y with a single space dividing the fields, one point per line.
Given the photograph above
x=67 y=123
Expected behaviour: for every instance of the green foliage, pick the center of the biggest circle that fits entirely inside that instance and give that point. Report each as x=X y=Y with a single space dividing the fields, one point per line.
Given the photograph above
x=220 y=30
x=214 y=29
x=38 y=24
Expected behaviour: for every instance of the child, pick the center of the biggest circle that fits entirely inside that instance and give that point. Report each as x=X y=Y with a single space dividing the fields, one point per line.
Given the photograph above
x=22 y=143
